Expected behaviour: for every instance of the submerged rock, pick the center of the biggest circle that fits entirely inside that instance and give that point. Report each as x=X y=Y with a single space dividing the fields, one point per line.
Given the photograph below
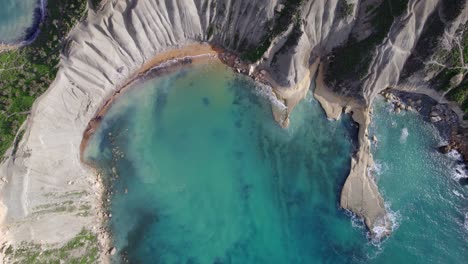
x=112 y=251
x=445 y=149
x=463 y=181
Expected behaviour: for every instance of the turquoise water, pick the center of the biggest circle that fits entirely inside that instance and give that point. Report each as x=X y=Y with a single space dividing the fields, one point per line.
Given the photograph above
x=16 y=17
x=200 y=173
x=422 y=187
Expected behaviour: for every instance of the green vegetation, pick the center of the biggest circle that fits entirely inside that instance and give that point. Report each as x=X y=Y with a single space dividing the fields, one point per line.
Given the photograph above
x=459 y=94
x=210 y=31
x=454 y=66
x=70 y=194
x=80 y=250
x=81 y=209
x=352 y=60
x=27 y=72
x=96 y=4
x=289 y=14
x=346 y=8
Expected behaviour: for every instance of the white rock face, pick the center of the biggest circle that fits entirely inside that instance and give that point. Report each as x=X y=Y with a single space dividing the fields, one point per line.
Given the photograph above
x=394 y=51
x=106 y=49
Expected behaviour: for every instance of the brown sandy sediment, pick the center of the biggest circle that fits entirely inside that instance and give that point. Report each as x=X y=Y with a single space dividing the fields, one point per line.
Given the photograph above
x=360 y=194
x=4 y=47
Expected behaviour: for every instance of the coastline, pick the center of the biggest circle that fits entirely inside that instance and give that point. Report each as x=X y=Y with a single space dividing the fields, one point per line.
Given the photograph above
x=194 y=53
x=369 y=206
x=178 y=57
x=359 y=194
x=49 y=156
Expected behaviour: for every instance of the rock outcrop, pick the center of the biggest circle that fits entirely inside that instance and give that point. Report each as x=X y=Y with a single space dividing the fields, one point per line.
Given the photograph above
x=366 y=46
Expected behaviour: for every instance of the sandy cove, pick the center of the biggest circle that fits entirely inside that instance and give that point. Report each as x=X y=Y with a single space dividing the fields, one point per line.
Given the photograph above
x=193 y=53
x=13 y=232
x=359 y=194
x=178 y=57
x=201 y=53
x=173 y=58
x=371 y=207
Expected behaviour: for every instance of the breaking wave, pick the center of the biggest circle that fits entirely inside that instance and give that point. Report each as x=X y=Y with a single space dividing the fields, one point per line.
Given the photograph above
x=404 y=135
x=465 y=224
x=265 y=91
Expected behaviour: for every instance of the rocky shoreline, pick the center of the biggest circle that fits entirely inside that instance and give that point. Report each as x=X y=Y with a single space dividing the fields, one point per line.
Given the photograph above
x=440 y=115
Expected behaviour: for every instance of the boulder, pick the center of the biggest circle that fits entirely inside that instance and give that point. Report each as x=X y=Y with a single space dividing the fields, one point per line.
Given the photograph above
x=435 y=119
x=445 y=149
x=463 y=181
x=112 y=251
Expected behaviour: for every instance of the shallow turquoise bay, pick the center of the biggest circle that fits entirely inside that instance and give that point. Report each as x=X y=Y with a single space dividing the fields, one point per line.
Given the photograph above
x=201 y=173
x=16 y=17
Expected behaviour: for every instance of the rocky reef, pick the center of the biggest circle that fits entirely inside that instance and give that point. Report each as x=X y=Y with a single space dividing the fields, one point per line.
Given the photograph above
x=354 y=48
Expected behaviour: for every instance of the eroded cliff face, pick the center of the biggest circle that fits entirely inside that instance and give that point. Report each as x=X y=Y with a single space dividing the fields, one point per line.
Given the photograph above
x=363 y=47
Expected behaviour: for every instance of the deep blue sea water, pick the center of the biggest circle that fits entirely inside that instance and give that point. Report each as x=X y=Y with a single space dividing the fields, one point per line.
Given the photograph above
x=200 y=173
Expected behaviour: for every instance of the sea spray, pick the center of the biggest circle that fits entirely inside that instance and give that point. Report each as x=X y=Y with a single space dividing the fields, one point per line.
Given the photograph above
x=266 y=91
x=380 y=231
x=427 y=206
x=404 y=135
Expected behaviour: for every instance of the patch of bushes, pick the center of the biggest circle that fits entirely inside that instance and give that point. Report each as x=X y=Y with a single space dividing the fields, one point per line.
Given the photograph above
x=351 y=61
x=82 y=249
x=288 y=15
x=346 y=8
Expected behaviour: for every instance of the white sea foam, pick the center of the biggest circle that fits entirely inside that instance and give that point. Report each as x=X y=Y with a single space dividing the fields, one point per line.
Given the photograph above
x=356 y=221
x=455 y=155
x=458 y=194
x=266 y=92
x=379 y=167
x=404 y=135
x=459 y=171
x=380 y=230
